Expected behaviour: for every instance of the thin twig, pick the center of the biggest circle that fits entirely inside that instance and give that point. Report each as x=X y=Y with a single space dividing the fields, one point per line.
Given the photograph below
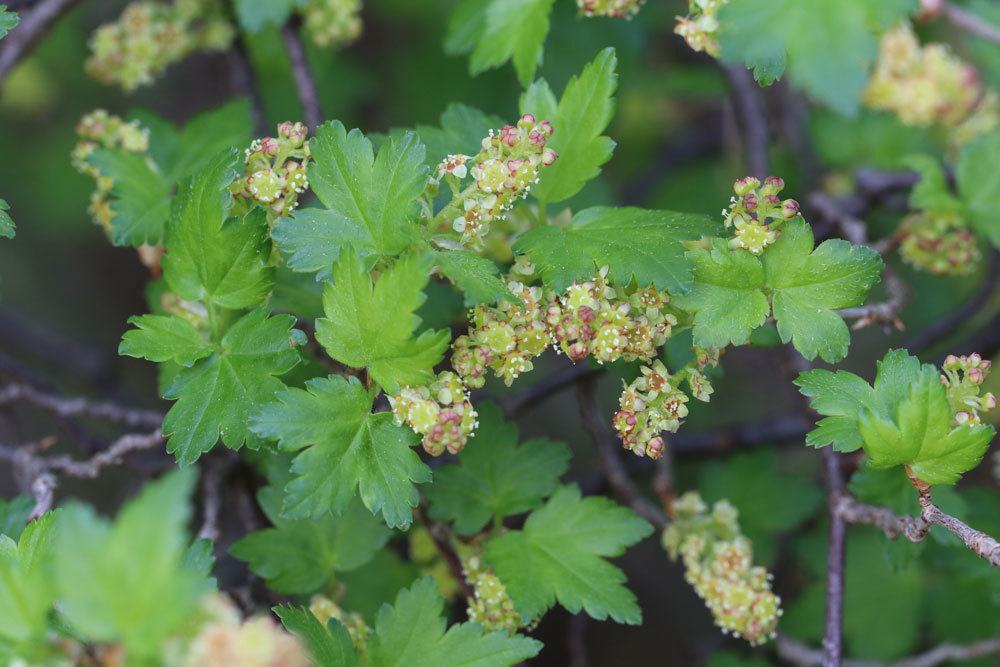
x=963 y=19
x=797 y=653
x=749 y=106
x=305 y=85
x=513 y=404
x=836 y=548
x=91 y=468
x=576 y=640
x=614 y=470
x=79 y=407
x=34 y=24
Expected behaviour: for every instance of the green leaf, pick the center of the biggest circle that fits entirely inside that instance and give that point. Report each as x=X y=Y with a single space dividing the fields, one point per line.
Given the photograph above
x=26 y=588
x=372 y=326
x=513 y=30
x=559 y=556
x=977 y=174
x=494 y=477
x=217 y=396
x=466 y=25
x=8 y=20
x=329 y=647
x=540 y=101
x=726 y=296
x=905 y=419
x=631 y=242
x=478 y=277
x=344 y=447
x=808 y=285
x=770 y=502
x=163 y=338
x=301 y=556
x=805 y=286
x=212 y=258
x=923 y=436
x=311 y=240
x=6 y=222
x=584 y=112
x=931 y=193
x=205 y=136
x=254 y=15
x=377 y=582
x=829 y=45
x=413 y=632
x=375 y=194
x=140 y=203
x=462 y=131
x=14 y=514
x=127 y=581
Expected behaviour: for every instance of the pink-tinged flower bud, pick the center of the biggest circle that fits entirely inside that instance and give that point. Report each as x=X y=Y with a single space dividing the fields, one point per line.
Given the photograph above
x=789 y=209
x=976 y=375
x=546 y=127
x=772 y=185
x=655 y=447
x=577 y=352
x=750 y=202
x=986 y=365
x=549 y=157
x=989 y=401
x=962 y=417
x=528 y=119
x=536 y=138
x=745 y=186
x=950 y=362
x=772 y=200
x=269 y=146
x=974 y=359
x=509 y=135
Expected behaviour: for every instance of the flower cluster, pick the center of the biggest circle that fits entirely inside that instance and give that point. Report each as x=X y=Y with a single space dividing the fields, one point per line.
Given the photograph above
x=939 y=243
x=255 y=642
x=930 y=85
x=276 y=169
x=963 y=378
x=591 y=319
x=618 y=9
x=150 y=36
x=332 y=23
x=649 y=406
x=718 y=562
x=752 y=211
x=441 y=412
x=491 y=606
x=700 y=26
x=97 y=130
x=503 y=171
x=323 y=608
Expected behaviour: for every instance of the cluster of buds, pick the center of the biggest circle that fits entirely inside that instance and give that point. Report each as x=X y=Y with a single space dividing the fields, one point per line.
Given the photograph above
x=718 y=562
x=504 y=338
x=504 y=170
x=701 y=25
x=323 y=608
x=96 y=130
x=617 y=9
x=590 y=319
x=150 y=36
x=226 y=639
x=441 y=412
x=930 y=86
x=963 y=378
x=332 y=23
x=648 y=406
x=752 y=211
x=276 y=170
x=490 y=606
x=938 y=243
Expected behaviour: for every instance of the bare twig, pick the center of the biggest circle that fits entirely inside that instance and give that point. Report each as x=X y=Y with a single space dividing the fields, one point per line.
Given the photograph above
x=513 y=404
x=836 y=547
x=796 y=653
x=614 y=470
x=79 y=407
x=34 y=24
x=212 y=490
x=962 y=19
x=92 y=467
x=576 y=640
x=304 y=83
x=749 y=106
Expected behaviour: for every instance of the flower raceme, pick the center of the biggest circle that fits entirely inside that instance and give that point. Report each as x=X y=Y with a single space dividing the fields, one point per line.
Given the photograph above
x=618 y=9
x=440 y=412
x=718 y=562
x=332 y=23
x=490 y=605
x=754 y=210
x=939 y=242
x=276 y=170
x=509 y=163
x=700 y=26
x=963 y=378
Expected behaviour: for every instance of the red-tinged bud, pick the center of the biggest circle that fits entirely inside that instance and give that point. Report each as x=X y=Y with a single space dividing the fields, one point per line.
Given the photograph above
x=976 y=375
x=269 y=146
x=546 y=127
x=655 y=447
x=509 y=135
x=549 y=157
x=528 y=119
x=989 y=401
x=789 y=209
x=750 y=202
x=772 y=200
x=745 y=186
x=772 y=185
